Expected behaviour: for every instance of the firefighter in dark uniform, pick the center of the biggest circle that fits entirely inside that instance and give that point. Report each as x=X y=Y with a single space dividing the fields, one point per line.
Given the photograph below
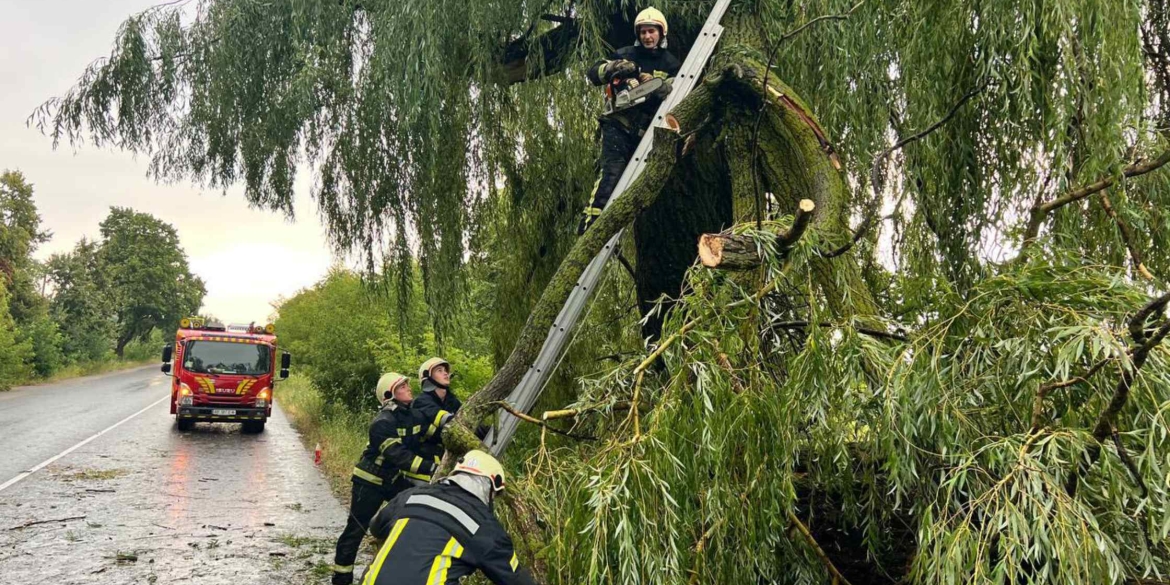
x=438 y=534
x=390 y=464
x=437 y=404
x=621 y=130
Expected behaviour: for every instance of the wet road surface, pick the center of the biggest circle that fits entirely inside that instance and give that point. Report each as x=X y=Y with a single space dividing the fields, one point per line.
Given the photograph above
x=145 y=503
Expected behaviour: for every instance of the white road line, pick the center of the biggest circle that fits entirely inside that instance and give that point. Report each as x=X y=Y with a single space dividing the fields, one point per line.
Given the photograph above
x=29 y=472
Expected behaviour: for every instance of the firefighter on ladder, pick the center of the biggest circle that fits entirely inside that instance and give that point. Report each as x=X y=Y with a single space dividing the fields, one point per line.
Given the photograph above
x=621 y=129
x=390 y=464
x=440 y=533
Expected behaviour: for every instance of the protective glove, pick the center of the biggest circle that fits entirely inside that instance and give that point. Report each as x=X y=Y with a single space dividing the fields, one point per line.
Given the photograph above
x=663 y=91
x=620 y=69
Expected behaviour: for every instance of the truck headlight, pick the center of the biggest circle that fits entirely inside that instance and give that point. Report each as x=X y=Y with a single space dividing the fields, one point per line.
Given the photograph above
x=185 y=398
x=262 y=398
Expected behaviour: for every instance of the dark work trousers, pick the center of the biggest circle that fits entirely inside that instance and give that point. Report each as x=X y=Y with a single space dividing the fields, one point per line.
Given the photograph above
x=617 y=147
x=365 y=501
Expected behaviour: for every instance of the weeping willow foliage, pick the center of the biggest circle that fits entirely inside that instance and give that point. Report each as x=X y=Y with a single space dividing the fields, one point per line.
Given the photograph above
x=440 y=131
x=917 y=453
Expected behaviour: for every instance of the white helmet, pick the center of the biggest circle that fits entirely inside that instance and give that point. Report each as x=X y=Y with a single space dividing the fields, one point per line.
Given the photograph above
x=424 y=371
x=386 y=385
x=476 y=462
x=654 y=17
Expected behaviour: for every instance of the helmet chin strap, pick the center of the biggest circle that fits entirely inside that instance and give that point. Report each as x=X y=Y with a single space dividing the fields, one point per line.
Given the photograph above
x=436 y=384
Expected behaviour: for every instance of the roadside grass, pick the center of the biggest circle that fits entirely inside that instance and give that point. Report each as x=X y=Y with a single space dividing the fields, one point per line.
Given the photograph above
x=84 y=369
x=341 y=433
x=94 y=368
x=94 y=475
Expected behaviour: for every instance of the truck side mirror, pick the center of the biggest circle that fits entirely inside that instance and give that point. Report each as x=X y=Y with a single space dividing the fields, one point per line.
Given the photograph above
x=166 y=368
x=285 y=360
x=168 y=350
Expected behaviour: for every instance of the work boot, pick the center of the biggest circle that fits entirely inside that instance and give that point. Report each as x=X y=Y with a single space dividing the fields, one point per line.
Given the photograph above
x=343 y=578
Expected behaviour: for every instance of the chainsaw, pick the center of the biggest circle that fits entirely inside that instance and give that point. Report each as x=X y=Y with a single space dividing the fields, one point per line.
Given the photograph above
x=633 y=94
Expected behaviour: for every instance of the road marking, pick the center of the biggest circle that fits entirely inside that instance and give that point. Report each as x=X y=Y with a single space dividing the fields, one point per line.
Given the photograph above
x=42 y=465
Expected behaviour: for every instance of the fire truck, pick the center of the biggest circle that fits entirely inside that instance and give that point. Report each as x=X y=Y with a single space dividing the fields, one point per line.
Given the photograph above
x=223 y=375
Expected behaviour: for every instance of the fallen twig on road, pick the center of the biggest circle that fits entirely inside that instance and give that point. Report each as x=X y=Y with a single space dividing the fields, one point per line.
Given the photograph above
x=35 y=522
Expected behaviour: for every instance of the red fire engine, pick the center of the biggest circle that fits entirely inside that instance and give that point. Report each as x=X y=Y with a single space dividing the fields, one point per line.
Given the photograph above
x=223 y=374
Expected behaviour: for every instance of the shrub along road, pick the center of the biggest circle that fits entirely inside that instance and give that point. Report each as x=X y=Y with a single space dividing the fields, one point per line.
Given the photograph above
x=142 y=502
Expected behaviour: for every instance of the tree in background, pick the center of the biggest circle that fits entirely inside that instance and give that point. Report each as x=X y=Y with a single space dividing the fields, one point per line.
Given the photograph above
x=957 y=374
x=14 y=353
x=81 y=305
x=20 y=234
x=148 y=280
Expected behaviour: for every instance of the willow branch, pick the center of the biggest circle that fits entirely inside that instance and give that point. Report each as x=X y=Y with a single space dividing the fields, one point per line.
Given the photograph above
x=1040 y=211
x=1137 y=324
x=817 y=550
x=818 y=19
x=626 y=264
x=1129 y=464
x=49 y=521
x=526 y=418
x=804 y=213
x=863 y=330
x=1128 y=237
x=1121 y=394
x=1106 y=421
x=1046 y=389
x=875 y=172
x=640 y=371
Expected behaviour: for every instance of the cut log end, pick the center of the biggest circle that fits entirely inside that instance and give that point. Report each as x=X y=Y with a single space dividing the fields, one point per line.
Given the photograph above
x=672 y=123
x=711 y=250
x=728 y=252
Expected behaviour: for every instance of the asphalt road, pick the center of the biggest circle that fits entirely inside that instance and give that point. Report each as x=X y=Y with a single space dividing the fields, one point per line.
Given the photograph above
x=141 y=502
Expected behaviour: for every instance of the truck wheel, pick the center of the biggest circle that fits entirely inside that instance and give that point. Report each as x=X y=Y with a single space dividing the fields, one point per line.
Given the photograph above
x=253 y=426
x=185 y=424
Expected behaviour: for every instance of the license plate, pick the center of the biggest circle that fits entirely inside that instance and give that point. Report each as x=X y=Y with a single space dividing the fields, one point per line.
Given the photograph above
x=218 y=412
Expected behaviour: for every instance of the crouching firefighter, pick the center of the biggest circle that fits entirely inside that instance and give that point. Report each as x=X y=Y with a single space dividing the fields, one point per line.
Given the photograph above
x=636 y=79
x=438 y=534
x=390 y=464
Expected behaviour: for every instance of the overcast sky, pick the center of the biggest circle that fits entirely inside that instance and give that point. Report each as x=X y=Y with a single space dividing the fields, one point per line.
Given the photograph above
x=247 y=257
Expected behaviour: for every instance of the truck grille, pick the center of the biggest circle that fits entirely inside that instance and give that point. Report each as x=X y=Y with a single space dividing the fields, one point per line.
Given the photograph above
x=224 y=399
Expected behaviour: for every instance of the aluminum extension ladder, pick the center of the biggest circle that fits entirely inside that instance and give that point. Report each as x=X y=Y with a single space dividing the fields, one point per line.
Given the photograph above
x=524 y=396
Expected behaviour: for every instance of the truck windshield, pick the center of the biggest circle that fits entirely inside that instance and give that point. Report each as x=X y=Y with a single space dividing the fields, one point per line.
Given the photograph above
x=226 y=357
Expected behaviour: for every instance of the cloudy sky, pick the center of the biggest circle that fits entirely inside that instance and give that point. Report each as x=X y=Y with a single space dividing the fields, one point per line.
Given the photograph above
x=247 y=257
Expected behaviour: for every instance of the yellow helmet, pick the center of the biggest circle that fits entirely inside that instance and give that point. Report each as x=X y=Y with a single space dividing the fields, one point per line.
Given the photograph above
x=386 y=384
x=424 y=371
x=476 y=462
x=651 y=16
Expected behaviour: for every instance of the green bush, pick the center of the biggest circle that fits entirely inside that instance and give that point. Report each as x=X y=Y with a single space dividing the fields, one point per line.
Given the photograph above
x=344 y=334
x=46 y=341
x=15 y=353
x=328 y=329
x=148 y=349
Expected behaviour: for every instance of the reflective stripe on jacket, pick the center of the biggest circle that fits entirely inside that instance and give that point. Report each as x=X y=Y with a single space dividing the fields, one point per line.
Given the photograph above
x=438 y=534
